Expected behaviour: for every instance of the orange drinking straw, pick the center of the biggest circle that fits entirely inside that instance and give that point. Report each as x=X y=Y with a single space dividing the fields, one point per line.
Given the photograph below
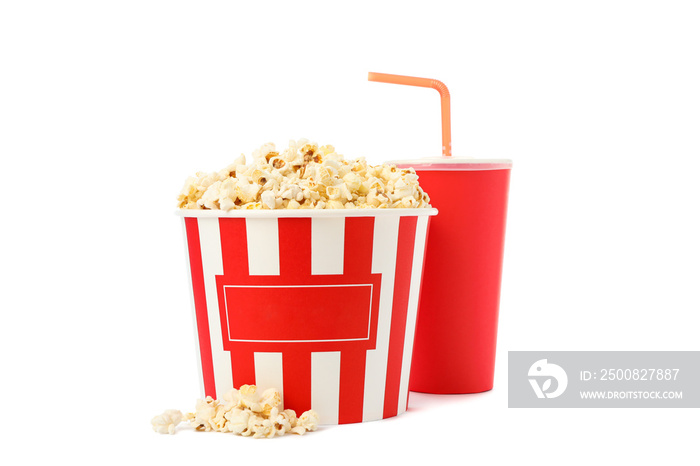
x=425 y=82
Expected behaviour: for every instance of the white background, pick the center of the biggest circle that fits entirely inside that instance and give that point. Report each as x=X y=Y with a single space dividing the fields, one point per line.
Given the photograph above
x=107 y=106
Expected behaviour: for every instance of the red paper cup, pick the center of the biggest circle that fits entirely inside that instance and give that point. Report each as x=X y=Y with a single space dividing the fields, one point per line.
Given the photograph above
x=319 y=304
x=455 y=344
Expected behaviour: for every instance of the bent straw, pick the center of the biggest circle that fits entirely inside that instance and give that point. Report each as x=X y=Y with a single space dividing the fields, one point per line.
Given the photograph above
x=425 y=82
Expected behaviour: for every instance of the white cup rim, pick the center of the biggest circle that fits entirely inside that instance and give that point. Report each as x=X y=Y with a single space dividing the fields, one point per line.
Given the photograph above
x=306 y=213
x=454 y=163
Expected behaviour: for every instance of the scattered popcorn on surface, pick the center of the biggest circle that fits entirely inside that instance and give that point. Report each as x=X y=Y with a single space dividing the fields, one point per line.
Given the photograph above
x=304 y=176
x=244 y=412
x=308 y=421
x=165 y=423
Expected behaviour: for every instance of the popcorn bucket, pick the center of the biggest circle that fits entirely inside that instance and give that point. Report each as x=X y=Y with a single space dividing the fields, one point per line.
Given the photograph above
x=455 y=344
x=320 y=304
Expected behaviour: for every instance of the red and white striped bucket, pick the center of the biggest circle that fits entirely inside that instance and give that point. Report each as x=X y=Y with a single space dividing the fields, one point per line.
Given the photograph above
x=319 y=304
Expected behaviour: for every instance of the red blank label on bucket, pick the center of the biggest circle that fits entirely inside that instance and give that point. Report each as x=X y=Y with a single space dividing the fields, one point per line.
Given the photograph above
x=298 y=312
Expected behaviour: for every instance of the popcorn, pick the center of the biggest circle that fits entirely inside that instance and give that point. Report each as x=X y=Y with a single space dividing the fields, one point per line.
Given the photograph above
x=243 y=412
x=237 y=420
x=308 y=421
x=269 y=400
x=268 y=199
x=283 y=420
x=205 y=412
x=304 y=176
x=165 y=423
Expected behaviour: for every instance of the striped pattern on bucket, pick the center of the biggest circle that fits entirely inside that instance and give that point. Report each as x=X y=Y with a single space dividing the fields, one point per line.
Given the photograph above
x=322 y=308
